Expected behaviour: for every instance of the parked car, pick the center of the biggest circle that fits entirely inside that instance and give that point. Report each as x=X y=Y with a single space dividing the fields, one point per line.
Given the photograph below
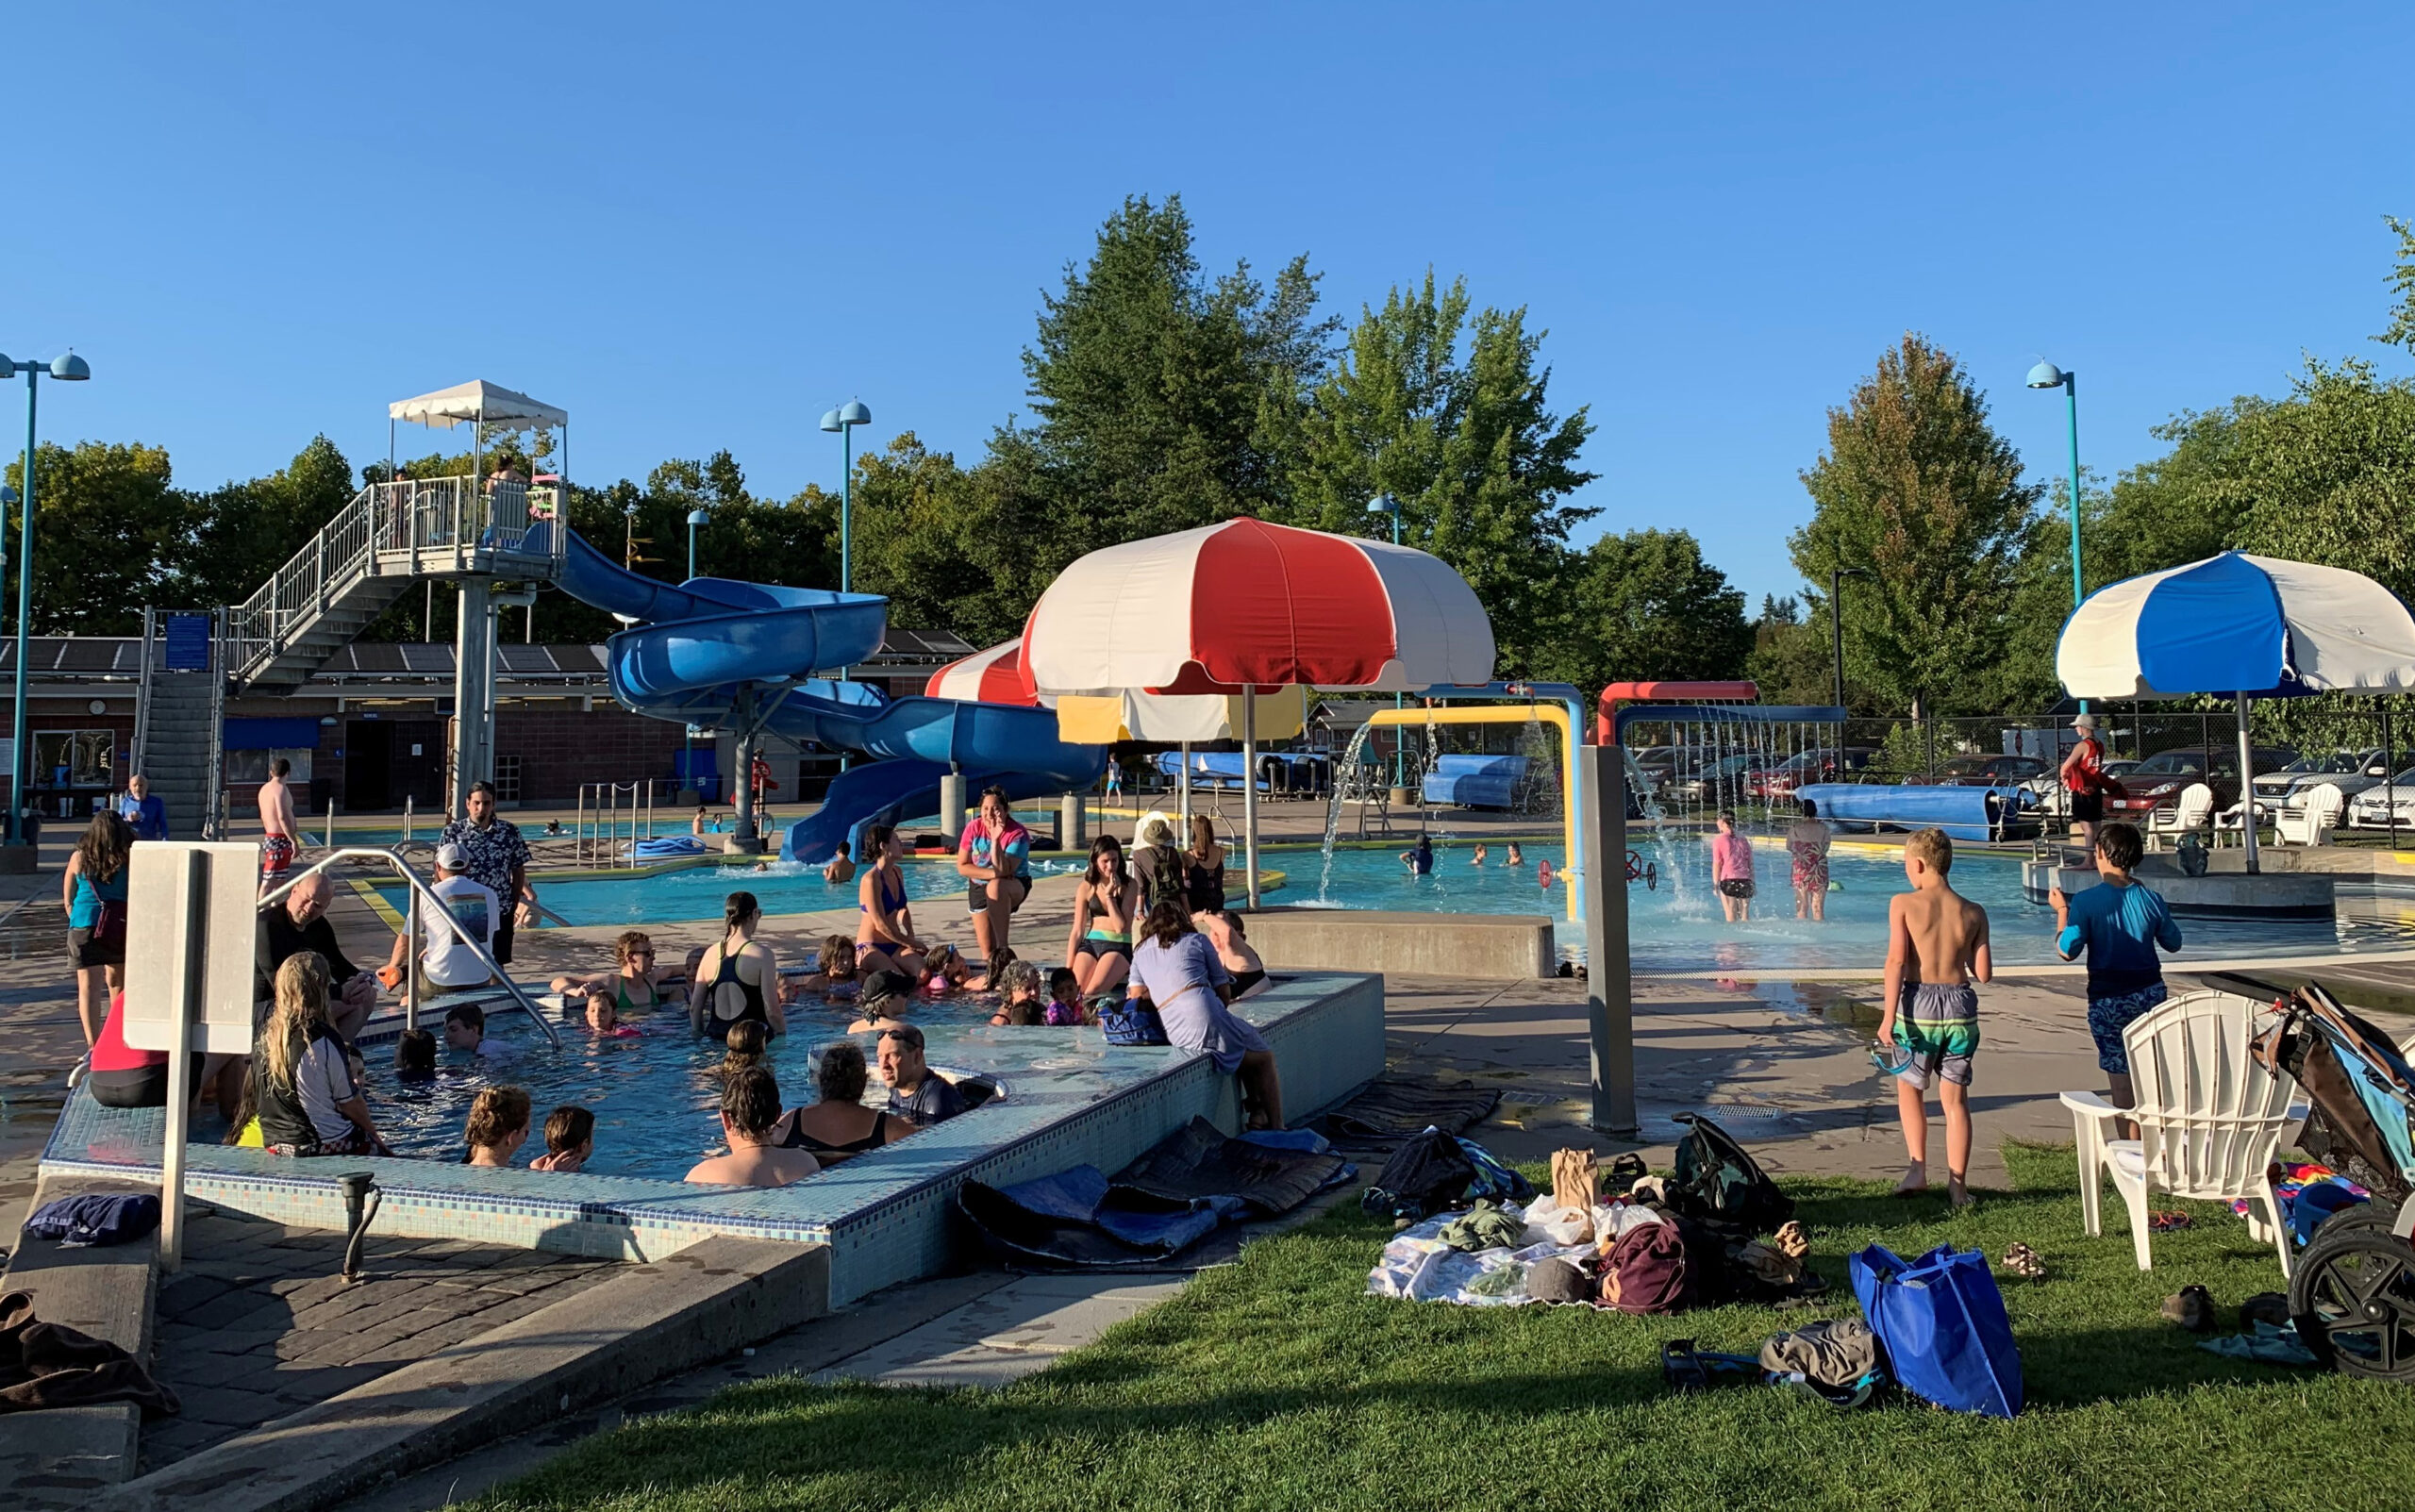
x=1984 y=772
x=2370 y=809
x=2289 y=786
x=1806 y=767
x=1719 y=782
x=2156 y=782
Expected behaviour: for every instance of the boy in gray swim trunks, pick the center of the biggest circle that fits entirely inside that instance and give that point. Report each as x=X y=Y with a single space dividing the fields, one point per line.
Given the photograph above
x=1937 y=944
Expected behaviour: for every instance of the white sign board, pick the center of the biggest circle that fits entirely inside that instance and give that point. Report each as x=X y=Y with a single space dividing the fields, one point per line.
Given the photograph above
x=182 y=895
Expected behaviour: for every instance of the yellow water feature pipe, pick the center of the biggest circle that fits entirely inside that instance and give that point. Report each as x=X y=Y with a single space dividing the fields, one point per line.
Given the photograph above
x=1551 y=714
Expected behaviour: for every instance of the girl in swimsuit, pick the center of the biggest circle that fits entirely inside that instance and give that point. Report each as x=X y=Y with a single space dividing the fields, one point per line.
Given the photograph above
x=1205 y=880
x=1099 y=948
x=833 y=976
x=948 y=970
x=885 y=935
x=839 y=1125
x=738 y=981
x=633 y=985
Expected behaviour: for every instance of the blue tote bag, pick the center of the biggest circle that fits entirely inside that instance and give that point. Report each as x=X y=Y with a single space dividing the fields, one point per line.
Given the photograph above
x=1943 y=1326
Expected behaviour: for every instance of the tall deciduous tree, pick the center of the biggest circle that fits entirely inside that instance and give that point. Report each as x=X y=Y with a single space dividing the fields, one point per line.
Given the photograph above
x=1646 y=605
x=1451 y=417
x=1918 y=488
x=107 y=523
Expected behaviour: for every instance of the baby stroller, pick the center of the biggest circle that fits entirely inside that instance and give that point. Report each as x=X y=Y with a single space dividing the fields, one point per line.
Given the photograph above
x=2353 y=1295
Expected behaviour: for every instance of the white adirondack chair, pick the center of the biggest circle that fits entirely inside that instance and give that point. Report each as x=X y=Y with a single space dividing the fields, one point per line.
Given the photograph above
x=2312 y=823
x=2193 y=810
x=2208 y=1115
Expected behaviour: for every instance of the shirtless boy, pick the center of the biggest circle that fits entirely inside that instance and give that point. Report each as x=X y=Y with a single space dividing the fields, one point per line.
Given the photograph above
x=279 y=829
x=1937 y=945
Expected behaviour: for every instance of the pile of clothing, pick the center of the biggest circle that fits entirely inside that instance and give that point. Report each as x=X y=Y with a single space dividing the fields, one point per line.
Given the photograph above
x=1613 y=1240
x=2306 y=1193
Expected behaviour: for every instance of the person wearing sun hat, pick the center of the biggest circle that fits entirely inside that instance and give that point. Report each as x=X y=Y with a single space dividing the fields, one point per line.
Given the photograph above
x=2083 y=778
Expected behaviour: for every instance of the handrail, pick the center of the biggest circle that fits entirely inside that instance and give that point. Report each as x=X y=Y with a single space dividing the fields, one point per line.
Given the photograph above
x=436 y=909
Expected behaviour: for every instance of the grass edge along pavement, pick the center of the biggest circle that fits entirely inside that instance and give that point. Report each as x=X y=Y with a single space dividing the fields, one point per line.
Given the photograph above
x=1277 y=1383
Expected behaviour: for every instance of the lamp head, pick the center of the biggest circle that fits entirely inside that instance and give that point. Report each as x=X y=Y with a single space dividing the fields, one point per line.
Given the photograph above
x=70 y=368
x=1383 y=504
x=7 y=495
x=698 y=517
x=2046 y=376
x=830 y=420
x=853 y=413
x=8 y=368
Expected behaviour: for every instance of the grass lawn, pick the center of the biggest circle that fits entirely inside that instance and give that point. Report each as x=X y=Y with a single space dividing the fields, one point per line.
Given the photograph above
x=1277 y=1384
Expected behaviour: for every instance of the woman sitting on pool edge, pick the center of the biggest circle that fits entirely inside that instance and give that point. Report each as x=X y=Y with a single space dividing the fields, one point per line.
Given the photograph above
x=738 y=980
x=885 y=937
x=839 y=1125
x=1098 y=946
x=1175 y=968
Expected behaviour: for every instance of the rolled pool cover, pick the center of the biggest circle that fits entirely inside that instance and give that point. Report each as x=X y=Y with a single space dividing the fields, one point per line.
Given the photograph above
x=663 y=847
x=1963 y=813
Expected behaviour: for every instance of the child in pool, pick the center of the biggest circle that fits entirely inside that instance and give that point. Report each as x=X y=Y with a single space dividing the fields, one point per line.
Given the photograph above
x=833 y=975
x=634 y=982
x=746 y=1041
x=1064 y=1008
x=604 y=1019
x=947 y=971
x=570 y=1139
x=1515 y=860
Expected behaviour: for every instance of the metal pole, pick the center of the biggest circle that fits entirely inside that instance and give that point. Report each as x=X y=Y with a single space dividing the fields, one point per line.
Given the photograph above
x=1186 y=792
x=2079 y=592
x=2246 y=787
x=846 y=507
x=1249 y=788
x=2389 y=775
x=1837 y=626
x=1400 y=700
x=20 y=745
x=1610 y=1006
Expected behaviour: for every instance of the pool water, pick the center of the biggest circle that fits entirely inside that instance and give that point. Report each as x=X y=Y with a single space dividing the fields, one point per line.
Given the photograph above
x=655 y=1095
x=697 y=892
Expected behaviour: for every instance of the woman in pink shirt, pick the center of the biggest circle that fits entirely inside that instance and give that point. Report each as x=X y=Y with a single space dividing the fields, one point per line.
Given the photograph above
x=1731 y=869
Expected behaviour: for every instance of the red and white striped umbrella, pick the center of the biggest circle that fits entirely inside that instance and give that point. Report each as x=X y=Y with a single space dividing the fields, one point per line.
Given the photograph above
x=1246 y=603
x=991 y=676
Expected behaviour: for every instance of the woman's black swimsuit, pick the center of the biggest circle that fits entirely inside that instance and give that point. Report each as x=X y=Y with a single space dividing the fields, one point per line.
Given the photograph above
x=1207 y=888
x=752 y=1012
x=1243 y=981
x=798 y=1139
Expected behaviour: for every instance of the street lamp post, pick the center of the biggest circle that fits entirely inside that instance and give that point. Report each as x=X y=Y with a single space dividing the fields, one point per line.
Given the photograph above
x=695 y=518
x=1837 y=576
x=845 y=419
x=1386 y=504
x=2046 y=376
x=69 y=368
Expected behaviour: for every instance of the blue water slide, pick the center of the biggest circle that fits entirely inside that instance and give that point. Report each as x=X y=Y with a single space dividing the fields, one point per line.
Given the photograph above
x=711 y=648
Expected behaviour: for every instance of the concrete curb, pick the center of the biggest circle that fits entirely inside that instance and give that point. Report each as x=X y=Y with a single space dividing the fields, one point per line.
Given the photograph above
x=652 y=1321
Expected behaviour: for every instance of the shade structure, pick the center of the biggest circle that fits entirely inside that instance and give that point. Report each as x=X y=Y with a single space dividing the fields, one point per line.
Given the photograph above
x=1247 y=606
x=2243 y=626
x=1247 y=602
x=991 y=676
x=478 y=400
x=2238 y=624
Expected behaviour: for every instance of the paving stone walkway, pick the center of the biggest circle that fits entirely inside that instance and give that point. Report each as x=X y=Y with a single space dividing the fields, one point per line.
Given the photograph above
x=258 y=1324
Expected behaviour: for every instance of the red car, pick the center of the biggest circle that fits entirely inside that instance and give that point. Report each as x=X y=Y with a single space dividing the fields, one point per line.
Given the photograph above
x=1805 y=768
x=2158 y=781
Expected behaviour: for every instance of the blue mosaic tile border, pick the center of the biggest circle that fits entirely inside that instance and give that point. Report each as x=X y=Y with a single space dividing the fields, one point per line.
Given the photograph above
x=887 y=1214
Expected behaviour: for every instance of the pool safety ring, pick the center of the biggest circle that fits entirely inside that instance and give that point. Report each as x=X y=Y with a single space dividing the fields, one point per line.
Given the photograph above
x=1639 y=870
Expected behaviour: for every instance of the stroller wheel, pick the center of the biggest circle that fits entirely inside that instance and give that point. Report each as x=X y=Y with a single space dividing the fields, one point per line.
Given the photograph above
x=2353 y=1299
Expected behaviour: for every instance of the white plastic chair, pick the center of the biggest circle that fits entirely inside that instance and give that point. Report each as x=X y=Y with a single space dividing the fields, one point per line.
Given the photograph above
x=2208 y=1115
x=2193 y=811
x=2312 y=823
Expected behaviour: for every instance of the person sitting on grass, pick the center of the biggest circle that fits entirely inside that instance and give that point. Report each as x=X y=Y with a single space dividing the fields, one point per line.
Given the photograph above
x=1024 y=1004
x=634 y=984
x=498 y=1126
x=915 y=1091
x=888 y=998
x=465 y=1029
x=749 y=1106
x=309 y=1103
x=839 y=1125
x=1175 y=968
x=570 y=1139
x=415 y=1057
x=1937 y=945
x=1064 y=1010
x=2118 y=922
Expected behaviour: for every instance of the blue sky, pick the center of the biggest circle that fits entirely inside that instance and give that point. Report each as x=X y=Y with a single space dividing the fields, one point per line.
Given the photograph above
x=701 y=227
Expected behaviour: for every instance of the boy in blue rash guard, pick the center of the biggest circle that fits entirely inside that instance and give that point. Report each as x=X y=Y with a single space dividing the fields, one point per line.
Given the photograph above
x=2119 y=922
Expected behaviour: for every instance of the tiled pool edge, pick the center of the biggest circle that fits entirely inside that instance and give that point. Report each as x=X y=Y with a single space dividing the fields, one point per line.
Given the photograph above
x=1326 y=1030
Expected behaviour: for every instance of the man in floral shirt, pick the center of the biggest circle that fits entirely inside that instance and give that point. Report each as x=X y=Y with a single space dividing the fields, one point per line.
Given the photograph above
x=496 y=858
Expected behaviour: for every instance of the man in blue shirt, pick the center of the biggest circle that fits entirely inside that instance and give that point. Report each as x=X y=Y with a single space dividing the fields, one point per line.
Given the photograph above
x=2119 y=922
x=147 y=814
x=915 y=1091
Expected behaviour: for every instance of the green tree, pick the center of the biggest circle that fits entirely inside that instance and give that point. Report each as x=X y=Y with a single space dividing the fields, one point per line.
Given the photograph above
x=1916 y=486
x=1789 y=660
x=1159 y=397
x=1451 y=417
x=1646 y=605
x=248 y=530
x=107 y=521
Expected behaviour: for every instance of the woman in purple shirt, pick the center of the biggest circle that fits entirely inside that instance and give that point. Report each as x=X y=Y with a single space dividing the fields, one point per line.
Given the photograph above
x=1175 y=968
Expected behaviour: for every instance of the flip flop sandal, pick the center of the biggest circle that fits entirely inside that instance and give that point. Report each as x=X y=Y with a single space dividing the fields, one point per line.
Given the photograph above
x=2166 y=1222
x=2192 y=1308
x=2023 y=1261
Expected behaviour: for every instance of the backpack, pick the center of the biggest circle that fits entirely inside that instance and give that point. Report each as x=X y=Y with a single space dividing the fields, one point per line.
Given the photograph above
x=1429 y=1173
x=1131 y=1021
x=1161 y=880
x=1645 y=1271
x=1719 y=1184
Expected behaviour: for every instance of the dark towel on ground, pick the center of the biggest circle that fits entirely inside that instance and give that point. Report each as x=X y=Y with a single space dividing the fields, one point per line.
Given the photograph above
x=95 y=1218
x=1390 y=1111
x=49 y=1365
x=1197 y=1162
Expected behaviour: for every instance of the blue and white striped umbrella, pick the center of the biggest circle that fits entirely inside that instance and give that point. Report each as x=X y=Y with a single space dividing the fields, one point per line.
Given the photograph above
x=2238 y=624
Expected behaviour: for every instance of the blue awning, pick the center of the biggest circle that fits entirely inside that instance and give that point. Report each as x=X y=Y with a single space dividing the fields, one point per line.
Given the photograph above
x=272 y=735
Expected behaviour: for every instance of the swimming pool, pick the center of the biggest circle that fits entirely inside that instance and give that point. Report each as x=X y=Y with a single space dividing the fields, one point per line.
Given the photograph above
x=697 y=892
x=655 y=1095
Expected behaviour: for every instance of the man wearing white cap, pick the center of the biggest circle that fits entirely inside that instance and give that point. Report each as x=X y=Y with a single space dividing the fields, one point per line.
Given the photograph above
x=447 y=963
x=2083 y=777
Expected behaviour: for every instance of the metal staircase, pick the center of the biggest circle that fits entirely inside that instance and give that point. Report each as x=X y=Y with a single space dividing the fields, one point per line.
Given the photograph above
x=177 y=716
x=387 y=537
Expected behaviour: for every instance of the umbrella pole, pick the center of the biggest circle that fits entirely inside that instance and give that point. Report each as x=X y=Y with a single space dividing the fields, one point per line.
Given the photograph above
x=1186 y=792
x=1249 y=789
x=2246 y=787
